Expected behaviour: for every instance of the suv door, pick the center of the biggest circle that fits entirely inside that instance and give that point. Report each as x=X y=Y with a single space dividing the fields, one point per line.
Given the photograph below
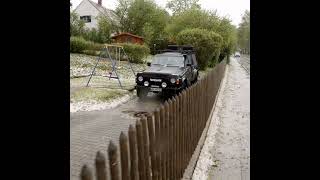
x=189 y=74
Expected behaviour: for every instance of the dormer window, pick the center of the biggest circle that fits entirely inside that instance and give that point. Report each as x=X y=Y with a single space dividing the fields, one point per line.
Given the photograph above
x=86 y=18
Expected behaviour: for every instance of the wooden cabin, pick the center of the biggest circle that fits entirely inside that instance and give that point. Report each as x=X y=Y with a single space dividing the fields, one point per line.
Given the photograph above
x=128 y=38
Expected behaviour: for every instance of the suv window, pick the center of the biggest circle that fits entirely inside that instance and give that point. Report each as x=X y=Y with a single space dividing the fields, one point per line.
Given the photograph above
x=168 y=60
x=194 y=62
x=188 y=59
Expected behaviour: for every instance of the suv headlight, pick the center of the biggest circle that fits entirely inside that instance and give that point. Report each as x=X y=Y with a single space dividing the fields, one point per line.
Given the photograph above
x=164 y=84
x=172 y=80
x=140 y=78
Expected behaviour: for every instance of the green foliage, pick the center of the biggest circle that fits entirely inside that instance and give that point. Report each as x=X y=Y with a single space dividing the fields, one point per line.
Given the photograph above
x=100 y=35
x=122 y=13
x=104 y=30
x=154 y=29
x=76 y=25
x=244 y=33
x=229 y=35
x=198 y=18
x=90 y=52
x=144 y=18
x=178 y=6
x=139 y=13
x=206 y=43
x=136 y=52
x=192 y=18
x=78 y=44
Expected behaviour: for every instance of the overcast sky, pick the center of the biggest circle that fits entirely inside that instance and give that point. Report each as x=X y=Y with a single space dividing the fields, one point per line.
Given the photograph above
x=230 y=8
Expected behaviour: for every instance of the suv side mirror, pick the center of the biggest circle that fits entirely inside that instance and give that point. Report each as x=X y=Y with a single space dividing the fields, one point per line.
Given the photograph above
x=148 y=63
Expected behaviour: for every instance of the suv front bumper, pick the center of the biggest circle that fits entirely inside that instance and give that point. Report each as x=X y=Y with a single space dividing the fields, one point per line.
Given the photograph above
x=171 y=90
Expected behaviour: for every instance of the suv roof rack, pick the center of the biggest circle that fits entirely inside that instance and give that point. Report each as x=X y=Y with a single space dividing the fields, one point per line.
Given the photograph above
x=183 y=49
x=180 y=47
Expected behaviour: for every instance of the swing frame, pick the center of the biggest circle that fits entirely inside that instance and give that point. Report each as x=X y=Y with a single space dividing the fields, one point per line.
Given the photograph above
x=118 y=50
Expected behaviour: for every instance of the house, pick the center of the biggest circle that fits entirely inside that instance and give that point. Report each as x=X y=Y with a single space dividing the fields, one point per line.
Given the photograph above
x=128 y=38
x=89 y=11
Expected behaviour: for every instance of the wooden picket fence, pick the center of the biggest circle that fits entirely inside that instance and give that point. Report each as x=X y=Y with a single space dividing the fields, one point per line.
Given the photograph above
x=160 y=145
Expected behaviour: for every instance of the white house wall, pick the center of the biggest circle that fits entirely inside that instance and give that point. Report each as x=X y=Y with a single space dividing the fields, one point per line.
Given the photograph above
x=85 y=8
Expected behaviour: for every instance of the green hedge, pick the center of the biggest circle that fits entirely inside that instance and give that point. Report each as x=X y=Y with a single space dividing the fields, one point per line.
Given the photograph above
x=206 y=43
x=136 y=52
x=80 y=45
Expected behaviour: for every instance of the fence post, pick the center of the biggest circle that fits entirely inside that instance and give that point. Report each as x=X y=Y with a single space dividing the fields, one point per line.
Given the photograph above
x=180 y=135
x=141 y=153
x=146 y=150
x=185 y=120
x=134 y=171
x=86 y=173
x=162 y=142
x=113 y=161
x=157 y=144
x=166 y=107
x=124 y=152
x=175 y=140
x=151 y=130
x=191 y=122
x=198 y=110
x=188 y=125
x=193 y=135
x=170 y=145
x=100 y=163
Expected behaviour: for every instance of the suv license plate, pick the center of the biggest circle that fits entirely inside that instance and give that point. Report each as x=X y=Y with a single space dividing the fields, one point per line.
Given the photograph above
x=156 y=89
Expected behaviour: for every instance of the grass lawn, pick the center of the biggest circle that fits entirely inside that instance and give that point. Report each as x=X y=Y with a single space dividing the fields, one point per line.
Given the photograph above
x=97 y=94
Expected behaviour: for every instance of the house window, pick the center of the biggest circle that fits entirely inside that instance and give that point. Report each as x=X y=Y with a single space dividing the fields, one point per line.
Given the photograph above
x=86 y=18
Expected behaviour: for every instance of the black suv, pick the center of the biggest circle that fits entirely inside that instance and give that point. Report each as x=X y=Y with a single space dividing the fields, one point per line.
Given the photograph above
x=170 y=71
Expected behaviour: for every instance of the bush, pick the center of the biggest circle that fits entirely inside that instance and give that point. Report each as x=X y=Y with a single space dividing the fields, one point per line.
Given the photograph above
x=136 y=52
x=91 y=52
x=206 y=43
x=94 y=46
x=78 y=44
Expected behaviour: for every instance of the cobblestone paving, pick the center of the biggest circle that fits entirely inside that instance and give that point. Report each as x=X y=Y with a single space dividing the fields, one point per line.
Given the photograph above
x=92 y=131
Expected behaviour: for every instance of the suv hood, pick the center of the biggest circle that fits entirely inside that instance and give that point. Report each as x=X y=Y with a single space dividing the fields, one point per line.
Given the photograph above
x=165 y=70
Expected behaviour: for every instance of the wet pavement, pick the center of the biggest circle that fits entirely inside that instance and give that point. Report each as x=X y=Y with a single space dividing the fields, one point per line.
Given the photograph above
x=92 y=131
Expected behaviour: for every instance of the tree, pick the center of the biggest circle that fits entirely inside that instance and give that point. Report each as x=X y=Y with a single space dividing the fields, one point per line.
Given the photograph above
x=244 y=33
x=205 y=42
x=139 y=13
x=154 y=28
x=76 y=25
x=178 y=6
x=122 y=13
x=208 y=20
x=104 y=29
x=102 y=33
x=229 y=35
x=192 y=18
x=144 y=18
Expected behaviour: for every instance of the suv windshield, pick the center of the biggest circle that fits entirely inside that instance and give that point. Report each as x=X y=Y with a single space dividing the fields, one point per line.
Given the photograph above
x=168 y=61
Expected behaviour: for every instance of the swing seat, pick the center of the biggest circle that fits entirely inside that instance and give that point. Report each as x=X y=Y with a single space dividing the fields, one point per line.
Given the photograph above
x=113 y=77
